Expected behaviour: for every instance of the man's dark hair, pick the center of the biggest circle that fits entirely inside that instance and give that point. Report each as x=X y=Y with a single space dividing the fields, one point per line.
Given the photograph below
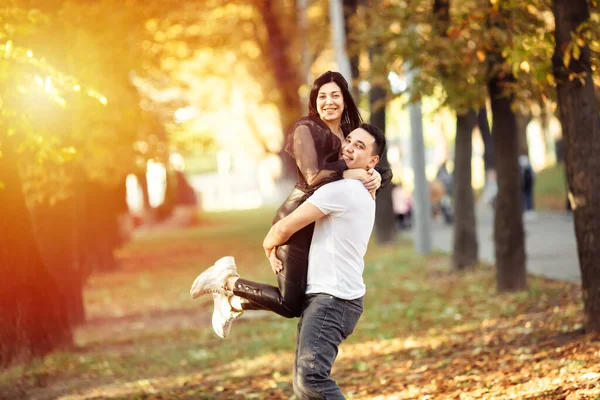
x=379 y=145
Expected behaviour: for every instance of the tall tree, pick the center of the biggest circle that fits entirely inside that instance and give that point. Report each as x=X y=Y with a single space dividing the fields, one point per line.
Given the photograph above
x=465 y=249
x=385 y=224
x=579 y=118
x=283 y=59
x=509 y=236
x=350 y=9
x=33 y=315
x=32 y=312
x=75 y=225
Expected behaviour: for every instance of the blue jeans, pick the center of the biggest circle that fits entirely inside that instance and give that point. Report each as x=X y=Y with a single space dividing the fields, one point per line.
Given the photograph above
x=325 y=322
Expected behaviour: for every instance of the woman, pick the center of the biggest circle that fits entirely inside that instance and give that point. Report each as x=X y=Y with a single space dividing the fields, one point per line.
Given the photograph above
x=315 y=145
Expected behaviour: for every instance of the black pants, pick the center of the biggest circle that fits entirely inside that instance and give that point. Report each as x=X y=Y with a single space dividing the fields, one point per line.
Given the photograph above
x=527 y=194
x=287 y=298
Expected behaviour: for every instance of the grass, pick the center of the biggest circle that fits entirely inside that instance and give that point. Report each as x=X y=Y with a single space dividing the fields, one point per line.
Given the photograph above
x=426 y=332
x=550 y=190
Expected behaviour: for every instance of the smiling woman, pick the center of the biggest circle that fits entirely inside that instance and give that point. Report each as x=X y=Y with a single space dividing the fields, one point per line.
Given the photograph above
x=330 y=102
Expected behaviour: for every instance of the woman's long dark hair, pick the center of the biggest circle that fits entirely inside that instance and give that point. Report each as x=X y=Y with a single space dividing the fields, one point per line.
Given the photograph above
x=351 y=118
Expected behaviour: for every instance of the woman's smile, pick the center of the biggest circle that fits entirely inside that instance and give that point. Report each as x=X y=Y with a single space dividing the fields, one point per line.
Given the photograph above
x=330 y=102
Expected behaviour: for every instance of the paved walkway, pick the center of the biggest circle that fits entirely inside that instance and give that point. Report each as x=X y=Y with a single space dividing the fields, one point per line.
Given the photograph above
x=550 y=241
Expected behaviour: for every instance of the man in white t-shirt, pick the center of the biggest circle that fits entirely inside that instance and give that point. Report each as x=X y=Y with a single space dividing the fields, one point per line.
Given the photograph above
x=344 y=213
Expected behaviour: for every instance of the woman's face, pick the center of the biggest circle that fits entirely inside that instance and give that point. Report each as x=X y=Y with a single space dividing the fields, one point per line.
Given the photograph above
x=330 y=102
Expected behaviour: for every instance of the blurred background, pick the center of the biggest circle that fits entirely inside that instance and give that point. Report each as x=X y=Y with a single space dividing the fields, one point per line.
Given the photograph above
x=122 y=117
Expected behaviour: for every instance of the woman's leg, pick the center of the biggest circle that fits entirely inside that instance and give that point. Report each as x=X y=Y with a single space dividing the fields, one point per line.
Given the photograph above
x=285 y=300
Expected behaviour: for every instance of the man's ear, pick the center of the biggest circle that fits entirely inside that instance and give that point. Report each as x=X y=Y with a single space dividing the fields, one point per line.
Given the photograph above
x=373 y=162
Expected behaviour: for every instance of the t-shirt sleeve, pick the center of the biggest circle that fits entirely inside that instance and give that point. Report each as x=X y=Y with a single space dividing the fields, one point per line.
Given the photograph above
x=329 y=200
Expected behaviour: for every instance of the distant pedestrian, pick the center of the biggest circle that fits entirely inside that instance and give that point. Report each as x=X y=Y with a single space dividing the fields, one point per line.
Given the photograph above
x=402 y=204
x=527 y=185
x=444 y=176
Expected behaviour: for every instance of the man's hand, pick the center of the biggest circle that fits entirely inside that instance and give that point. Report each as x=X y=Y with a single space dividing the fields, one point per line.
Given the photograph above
x=373 y=180
x=281 y=231
x=356 y=173
x=273 y=239
x=276 y=264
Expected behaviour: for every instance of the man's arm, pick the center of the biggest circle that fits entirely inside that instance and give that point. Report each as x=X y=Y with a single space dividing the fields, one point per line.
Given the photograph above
x=286 y=227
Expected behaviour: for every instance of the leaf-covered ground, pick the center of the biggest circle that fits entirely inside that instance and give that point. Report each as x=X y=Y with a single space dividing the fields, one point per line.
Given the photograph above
x=426 y=333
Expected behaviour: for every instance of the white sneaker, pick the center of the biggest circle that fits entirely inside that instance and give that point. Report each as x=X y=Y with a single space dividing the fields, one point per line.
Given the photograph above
x=530 y=216
x=214 y=279
x=223 y=315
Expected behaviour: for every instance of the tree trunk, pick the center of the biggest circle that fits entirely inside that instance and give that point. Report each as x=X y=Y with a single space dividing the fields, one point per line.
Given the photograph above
x=465 y=234
x=286 y=74
x=350 y=7
x=34 y=320
x=465 y=247
x=385 y=223
x=488 y=141
x=98 y=225
x=307 y=60
x=579 y=118
x=522 y=123
x=509 y=238
x=56 y=231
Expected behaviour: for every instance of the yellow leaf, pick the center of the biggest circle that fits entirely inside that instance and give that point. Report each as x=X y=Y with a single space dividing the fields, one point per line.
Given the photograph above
x=480 y=55
x=567 y=58
x=576 y=52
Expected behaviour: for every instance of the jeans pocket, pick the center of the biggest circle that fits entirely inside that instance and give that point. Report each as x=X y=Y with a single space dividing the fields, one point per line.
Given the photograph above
x=352 y=314
x=356 y=305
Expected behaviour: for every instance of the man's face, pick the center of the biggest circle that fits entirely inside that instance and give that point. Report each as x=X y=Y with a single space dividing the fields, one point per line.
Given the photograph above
x=358 y=150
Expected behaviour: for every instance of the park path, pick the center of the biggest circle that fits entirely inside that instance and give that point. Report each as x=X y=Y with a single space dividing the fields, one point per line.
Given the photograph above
x=549 y=238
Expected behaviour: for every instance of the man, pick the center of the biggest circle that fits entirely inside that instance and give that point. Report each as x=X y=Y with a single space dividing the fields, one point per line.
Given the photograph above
x=344 y=214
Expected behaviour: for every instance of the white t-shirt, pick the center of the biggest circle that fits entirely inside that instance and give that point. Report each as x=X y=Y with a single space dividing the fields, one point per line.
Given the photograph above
x=340 y=239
